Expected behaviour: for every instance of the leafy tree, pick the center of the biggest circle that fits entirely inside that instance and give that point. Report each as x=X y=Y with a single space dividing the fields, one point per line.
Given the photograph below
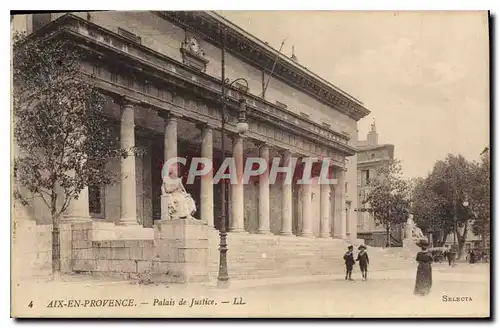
x=387 y=197
x=479 y=197
x=63 y=137
x=438 y=200
x=428 y=210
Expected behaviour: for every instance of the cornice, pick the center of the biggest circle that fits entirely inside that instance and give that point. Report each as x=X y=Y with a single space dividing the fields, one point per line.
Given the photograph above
x=140 y=60
x=250 y=49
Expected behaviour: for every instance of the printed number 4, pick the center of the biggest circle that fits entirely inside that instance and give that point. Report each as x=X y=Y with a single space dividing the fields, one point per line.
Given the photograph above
x=30 y=305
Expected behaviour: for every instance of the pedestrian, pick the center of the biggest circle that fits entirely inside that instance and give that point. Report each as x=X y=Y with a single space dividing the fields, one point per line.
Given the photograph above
x=349 y=262
x=363 y=261
x=471 y=257
x=449 y=255
x=423 y=282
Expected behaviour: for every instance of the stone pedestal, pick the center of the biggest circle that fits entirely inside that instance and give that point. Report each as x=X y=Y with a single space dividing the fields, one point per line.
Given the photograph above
x=180 y=251
x=133 y=233
x=164 y=208
x=410 y=244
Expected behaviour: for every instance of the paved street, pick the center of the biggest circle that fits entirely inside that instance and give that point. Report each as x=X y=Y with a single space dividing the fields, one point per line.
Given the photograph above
x=386 y=293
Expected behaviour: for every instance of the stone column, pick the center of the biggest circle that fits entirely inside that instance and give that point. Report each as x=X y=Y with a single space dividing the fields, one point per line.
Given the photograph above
x=306 y=210
x=237 y=205
x=264 y=193
x=325 y=210
x=170 y=137
x=207 y=188
x=339 y=219
x=128 y=206
x=348 y=220
x=169 y=151
x=286 y=199
x=78 y=209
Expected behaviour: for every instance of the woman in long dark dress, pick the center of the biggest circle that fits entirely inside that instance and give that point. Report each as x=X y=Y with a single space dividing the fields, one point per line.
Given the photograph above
x=423 y=282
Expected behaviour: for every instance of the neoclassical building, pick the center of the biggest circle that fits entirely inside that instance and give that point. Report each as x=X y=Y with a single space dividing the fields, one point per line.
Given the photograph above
x=162 y=74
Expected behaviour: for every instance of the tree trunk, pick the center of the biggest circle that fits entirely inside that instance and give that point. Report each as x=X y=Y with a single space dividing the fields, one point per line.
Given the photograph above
x=56 y=240
x=444 y=236
x=388 y=236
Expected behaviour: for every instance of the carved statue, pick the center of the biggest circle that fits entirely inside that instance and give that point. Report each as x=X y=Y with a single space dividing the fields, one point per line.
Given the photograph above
x=180 y=203
x=412 y=231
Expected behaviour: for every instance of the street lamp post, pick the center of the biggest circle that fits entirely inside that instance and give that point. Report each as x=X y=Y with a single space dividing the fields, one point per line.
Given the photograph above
x=483 y=221
x=242 y=127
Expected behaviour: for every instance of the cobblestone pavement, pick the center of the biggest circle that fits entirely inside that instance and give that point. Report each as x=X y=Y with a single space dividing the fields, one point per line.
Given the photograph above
x=459 y=291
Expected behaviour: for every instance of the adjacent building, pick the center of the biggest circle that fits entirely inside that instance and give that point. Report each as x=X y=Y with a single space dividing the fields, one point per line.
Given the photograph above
x=371 y=156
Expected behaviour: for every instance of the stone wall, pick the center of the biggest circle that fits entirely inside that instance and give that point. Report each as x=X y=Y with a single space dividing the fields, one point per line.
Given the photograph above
x=125 y=258
x=32 y=249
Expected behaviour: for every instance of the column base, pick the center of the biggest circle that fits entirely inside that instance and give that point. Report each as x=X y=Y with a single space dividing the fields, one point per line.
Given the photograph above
x=339 y=237
x=127 y=222
x=264 y=232
x=324 y=235
x=237 y=230
x=76 y=219
x=307 y=235
x=286 y=233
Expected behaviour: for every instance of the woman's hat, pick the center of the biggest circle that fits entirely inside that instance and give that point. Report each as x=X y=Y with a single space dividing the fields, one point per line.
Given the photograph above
x=361 y=247
x=423 y=243
x=350 y=247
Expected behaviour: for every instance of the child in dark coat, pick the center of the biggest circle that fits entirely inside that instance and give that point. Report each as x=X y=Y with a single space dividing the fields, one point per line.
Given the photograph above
x=363 y=261
x=349 y=262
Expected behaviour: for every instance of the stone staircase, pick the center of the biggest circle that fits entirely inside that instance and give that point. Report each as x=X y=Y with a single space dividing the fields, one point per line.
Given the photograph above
x=253 y=256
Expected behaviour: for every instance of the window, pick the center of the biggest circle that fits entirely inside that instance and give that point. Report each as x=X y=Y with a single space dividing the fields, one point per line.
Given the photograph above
x=114 y=77
x=147 y=87
x=39 y=20
x=130 y=81
x=96 y=70
x=365 y=177
x=96 y=202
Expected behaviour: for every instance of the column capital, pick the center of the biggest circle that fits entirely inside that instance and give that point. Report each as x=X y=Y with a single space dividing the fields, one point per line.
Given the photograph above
x=168 y=114
x=236 y=136
x=261 y=144
x=205 y=126
x=285 y=152
x=126 y=101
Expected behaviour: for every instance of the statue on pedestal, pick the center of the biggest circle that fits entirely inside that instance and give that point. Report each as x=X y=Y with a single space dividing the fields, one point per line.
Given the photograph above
x=412 y=231
x=179 y=204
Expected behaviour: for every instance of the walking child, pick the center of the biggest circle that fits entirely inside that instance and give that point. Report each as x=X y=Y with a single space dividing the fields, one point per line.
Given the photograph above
x=363 y=261
x=349 y=262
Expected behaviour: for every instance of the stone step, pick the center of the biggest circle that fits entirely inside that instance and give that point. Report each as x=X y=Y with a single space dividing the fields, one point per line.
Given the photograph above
x=257 y=256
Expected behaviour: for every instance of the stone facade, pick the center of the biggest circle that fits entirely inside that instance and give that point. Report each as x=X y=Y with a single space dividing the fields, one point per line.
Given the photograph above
x=170 y=108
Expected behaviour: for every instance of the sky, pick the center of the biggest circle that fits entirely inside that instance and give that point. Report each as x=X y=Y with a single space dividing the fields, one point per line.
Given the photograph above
x=423 y=75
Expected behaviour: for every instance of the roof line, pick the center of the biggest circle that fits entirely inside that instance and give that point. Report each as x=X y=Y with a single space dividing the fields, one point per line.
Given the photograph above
x=288 y=60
